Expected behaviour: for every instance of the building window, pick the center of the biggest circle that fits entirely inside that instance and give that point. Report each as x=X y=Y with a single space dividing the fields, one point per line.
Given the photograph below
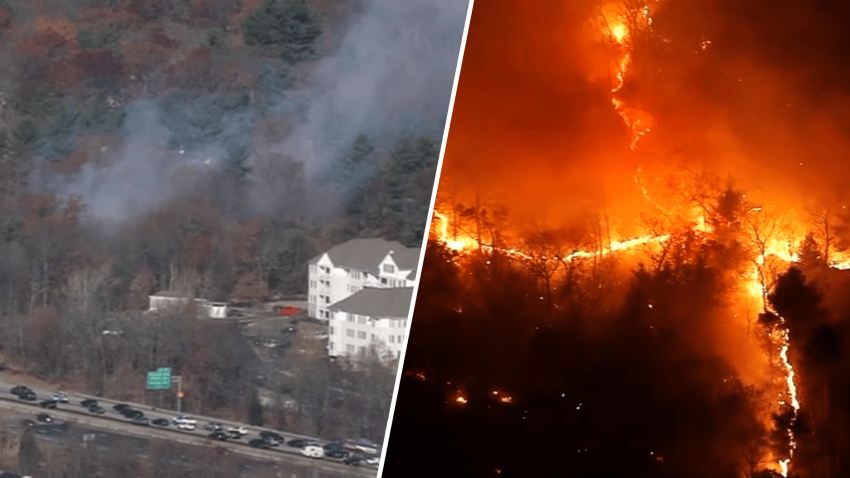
x=361 y=335
x=331 y=345
x=401 y=339
x=362 y=350
x=327 y=299
x=361 y=319
x=350 y=317
x=392 y=339
x=374 y=338
x=384 y=280
x=313 y=268
x=332 y=331
x=349 y=348
x=350 y=332
x=389 y=268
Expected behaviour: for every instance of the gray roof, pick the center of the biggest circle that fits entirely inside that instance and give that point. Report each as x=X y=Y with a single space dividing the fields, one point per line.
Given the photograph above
x=389 y=303
x=365 y=254
x=172 y=293
x=407 y=259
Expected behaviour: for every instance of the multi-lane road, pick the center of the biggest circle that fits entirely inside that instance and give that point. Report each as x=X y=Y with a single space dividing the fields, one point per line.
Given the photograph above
x=114 y=422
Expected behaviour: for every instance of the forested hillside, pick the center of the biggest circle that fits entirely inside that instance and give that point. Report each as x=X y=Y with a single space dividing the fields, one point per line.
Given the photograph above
x=160 y=138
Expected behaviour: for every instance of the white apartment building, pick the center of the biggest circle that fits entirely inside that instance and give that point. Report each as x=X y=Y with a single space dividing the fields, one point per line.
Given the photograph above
x=370 y=317
x=350 y=267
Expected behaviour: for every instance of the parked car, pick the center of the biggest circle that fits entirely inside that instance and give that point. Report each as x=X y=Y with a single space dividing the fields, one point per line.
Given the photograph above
x=160 y=422
x=337 y=453
x=220 y=436
x=88 y=402
x=48 y=403
x=28 y=395
x=313 y=451
x=260 y=443
x=60 y=397
x=44 y=418
x=144 y=421
x=20 y=389
x=96 y=409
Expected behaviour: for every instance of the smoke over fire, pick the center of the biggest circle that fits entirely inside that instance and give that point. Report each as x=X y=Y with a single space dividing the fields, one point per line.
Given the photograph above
x=389 y=75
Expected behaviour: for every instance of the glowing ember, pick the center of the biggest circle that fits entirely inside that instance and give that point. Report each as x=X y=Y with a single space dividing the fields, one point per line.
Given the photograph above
x=461 y=399
x=506 y=399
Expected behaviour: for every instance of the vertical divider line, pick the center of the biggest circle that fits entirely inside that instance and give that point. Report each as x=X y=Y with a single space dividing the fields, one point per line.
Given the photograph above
x=425 y=241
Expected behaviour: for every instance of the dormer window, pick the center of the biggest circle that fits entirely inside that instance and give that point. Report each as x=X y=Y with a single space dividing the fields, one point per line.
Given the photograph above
x=389 y=268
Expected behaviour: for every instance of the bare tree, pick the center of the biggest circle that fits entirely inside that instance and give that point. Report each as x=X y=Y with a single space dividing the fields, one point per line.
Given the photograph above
x=822 y=219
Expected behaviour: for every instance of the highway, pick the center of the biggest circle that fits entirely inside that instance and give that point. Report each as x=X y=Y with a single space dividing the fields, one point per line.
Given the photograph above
x=114 y=422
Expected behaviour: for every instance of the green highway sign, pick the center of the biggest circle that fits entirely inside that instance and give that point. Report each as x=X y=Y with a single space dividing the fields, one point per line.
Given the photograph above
x=159 y=380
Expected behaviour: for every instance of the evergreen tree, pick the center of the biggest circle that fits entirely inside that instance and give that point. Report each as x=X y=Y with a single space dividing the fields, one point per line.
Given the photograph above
x=292 y=25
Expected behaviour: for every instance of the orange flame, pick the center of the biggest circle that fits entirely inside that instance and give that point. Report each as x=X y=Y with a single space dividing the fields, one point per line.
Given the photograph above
x=638 y=121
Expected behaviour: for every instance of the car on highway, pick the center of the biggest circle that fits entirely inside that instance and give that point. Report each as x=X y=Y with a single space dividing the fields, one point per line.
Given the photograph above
x=144 y=421
x=299 y=443
x=241 y=431
x=44 y=418
x=48 y=404
x=361 y=461
x=60 y=397
x=220 y=436
x=131 y=413
x=271 y=437
x=313 y=451
x=364 y=446
x=160 y=422
x=260 y=443
x=120 y=406
x=28 y=395
x=88 y=402
x=214 y=426
x=20 y=389
x=334 y=453
x=183 y=422
x=96 y=409
x=185 y=419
